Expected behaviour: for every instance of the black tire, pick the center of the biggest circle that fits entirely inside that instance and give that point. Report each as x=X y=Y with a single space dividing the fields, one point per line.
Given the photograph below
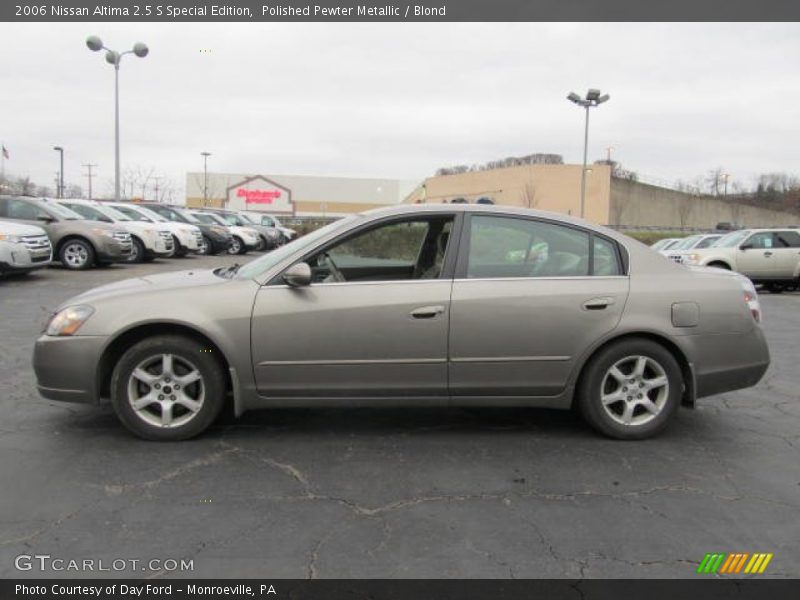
x=179 y=251
x=237 y=246
x=775 y=288
x=263 y=246
x=597 y=381
x=77 y=254
x=720 y=265
x=206 y=247
x=137 y=251
x=188 y=355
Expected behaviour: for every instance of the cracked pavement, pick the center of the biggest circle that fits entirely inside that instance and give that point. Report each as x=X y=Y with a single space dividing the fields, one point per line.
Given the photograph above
x=352 y=493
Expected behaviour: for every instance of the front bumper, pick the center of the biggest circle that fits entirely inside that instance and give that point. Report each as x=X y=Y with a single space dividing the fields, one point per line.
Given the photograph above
x=66 y=367
x=111 y=249
x=18 y=258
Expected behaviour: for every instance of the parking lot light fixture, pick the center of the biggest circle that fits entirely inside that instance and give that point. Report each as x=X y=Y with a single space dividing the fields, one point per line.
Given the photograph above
x=60 y=180
x=205 y=156
x=593 y=98
x=95 y=44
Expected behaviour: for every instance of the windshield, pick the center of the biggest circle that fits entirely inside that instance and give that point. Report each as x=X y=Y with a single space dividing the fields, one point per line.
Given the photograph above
x=205 y=218
x=63 y=211
x=232 y=219
x=686 y=243
x=189 y=217
x=135 y=215
x=258 y=266
x=732 y=239
x=89 y=212
x=114 y=213
x=708 y=242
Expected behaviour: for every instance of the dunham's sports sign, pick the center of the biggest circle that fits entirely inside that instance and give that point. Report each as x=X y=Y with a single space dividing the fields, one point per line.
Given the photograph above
x=261 y=194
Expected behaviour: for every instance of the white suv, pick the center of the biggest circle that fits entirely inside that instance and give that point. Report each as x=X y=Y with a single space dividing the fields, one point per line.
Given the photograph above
x=768 y=256
x=187 y=238
x=23 y=248
x=149 y=241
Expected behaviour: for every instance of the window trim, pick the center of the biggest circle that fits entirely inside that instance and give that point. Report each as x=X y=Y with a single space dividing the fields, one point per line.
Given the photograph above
x=448 y=267
x=463 y=249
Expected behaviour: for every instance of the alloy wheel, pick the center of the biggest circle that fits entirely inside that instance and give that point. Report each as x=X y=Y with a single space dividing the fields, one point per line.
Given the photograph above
x=76 y=255
x=634 y=390
x=166 y=390
x=235 y=246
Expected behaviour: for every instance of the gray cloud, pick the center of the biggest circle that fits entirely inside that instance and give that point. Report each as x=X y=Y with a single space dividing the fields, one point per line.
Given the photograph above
x=400 y=100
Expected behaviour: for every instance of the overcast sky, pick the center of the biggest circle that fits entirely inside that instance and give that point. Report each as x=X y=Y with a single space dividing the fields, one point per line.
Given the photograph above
x=400 y=100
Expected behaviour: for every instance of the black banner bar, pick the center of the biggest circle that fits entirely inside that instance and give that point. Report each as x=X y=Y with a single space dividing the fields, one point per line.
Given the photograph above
x=405 y=10
x=403 y=589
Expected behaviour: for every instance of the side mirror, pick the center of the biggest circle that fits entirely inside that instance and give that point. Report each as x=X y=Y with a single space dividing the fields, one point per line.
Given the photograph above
x=45 y=218
x=298 y=275
x=746 y=247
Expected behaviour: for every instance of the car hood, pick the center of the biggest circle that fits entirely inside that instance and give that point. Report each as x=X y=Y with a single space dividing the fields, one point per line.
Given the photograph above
x=149 y=284
x=11 y=228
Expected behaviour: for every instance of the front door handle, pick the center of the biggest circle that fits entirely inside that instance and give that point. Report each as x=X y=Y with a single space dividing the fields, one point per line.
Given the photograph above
x=767 y=253
x=598 y=303
x=427 y=312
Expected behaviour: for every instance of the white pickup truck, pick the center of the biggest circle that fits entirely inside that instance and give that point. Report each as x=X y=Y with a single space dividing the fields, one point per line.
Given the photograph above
x=768 y=256
x=23 y=248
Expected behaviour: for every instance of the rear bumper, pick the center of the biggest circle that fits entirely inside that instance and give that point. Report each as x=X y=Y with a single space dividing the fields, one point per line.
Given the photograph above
x=731 y=362
x=65 y=367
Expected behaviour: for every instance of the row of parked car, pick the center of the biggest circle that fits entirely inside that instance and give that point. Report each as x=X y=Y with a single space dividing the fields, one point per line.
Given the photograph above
x=769 y=256
x=85 y=233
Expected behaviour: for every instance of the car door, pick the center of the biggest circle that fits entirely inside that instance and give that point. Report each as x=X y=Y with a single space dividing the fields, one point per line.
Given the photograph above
x=380 y=332
x=755 y=256
x=529 y=297
x=786 y=254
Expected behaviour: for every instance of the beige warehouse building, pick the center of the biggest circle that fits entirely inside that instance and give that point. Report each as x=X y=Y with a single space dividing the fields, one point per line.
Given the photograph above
x=609 y=200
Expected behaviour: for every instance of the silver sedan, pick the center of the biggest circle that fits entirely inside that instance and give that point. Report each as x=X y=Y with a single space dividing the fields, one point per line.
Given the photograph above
x=437 y=305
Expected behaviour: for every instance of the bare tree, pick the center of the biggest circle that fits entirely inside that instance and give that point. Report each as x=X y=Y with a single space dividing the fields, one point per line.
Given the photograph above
x=714 y=180
x=73 y=191
x=685 y=207
x=23 y=186
x=528 y=195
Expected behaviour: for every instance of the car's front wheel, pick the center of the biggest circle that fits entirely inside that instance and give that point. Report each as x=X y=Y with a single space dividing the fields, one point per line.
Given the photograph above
x=76 y=254
x=137 y=251
x=236 y=246
x=631 y=389
x=168 y=388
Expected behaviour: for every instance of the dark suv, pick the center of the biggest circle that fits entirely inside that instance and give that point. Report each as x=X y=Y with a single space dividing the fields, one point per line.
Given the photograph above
x=216 y=238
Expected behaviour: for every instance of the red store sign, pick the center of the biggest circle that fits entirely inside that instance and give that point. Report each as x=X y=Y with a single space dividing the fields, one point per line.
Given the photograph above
x=258 y=196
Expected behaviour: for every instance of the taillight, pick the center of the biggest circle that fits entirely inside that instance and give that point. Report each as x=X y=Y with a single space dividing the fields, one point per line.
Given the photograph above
x=751 y=299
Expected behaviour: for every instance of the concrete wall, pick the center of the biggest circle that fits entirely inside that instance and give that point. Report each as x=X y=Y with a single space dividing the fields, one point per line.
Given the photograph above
x=546 y=187
x=637 y=204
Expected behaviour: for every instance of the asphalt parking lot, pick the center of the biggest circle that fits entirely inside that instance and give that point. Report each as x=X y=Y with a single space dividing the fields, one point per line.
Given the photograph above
x=394 y=493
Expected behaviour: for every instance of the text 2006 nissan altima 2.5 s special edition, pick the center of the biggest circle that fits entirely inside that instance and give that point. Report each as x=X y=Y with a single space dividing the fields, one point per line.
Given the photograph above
x=459 y=305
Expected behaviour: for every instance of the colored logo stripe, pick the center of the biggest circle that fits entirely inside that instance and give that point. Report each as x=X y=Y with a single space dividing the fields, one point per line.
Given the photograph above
x=719 y=562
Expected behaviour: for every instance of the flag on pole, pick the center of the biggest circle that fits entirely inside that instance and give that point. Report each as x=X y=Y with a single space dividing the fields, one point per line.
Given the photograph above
x=5 y=153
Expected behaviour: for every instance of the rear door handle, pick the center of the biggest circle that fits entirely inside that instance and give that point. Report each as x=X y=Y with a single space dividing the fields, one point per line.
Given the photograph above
x=598 y=303
x=427 y=312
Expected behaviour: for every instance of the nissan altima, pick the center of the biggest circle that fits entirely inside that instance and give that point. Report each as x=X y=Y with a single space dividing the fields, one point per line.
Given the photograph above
x=423 y=305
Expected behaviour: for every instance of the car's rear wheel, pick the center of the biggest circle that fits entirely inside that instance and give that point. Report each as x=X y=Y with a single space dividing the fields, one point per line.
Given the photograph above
x=168 y=388
x=631 y=389
x=76 y=254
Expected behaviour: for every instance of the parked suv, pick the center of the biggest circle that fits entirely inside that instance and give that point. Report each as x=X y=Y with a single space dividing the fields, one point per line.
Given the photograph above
x=271 y=238
x=768 y=256
x=77 y=242
x=243 y=239
x=148 y=241
x=23 y=248
x=699 y=241
x=215 y=238
x=185 y=237
x=259 y=218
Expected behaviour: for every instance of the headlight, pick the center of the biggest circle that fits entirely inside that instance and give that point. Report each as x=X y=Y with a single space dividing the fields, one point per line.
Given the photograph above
x=149 y=231
x=105 y=232
x=692 y=259
x=14 y=239
x=68 y=320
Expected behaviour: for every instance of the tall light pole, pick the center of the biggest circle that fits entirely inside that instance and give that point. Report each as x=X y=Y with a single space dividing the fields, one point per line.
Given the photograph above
x=60 y=181
x=593 y=98
x=205 y=156
x=95 y=44
x=89 y=175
